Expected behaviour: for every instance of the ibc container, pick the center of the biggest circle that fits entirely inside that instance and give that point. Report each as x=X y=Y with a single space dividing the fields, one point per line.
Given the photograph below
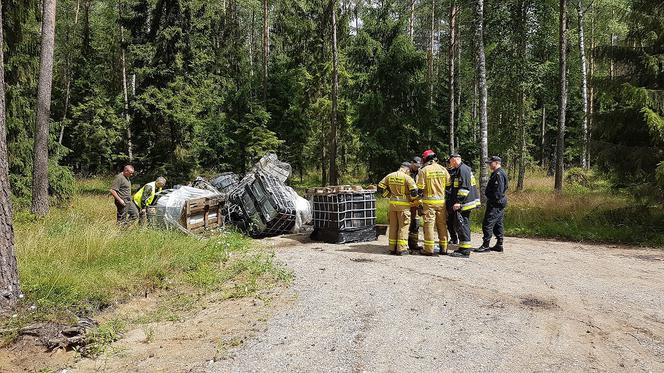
x=346 y=210
x=343 y=214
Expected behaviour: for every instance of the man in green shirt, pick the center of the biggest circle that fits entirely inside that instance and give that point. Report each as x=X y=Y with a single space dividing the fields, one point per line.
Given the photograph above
x=121 y=192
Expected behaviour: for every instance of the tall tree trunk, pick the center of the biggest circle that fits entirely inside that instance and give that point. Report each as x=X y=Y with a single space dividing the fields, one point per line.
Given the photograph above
x=591 y=72
x=451 y=64
x=584 y=87
x=411 y=21
x=266 y=47
x=431 y=42
x=9 y=286
x=251 y=49
x=68 y=77
x=543 y=135
x=335 y=93
x=612 y=41
x=562 y=105
x=457 y=78
x=523 y=140
x=474 y=114
x=481 y=78
x=125 y=93
x=40 y=158
x=523 y=50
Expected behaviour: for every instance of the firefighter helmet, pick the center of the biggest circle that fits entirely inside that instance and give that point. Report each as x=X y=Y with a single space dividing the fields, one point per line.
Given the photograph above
x=428 y=155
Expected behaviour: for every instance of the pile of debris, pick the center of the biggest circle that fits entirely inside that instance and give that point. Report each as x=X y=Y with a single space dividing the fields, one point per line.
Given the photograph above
x=260 y=204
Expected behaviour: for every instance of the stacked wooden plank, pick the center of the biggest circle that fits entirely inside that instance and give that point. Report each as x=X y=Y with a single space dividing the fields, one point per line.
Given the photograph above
x=203 y=214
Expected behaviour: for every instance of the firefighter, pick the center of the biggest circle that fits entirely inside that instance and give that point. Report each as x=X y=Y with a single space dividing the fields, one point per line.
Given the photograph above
x=431 y=181
x=496 y=201
x=401 y=189
x=454 y=238
x=413 y=230
x=465 y=199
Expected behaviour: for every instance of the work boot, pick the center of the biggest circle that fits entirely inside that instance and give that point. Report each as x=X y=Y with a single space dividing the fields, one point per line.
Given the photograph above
x=484 y=248
x=428 y=254
x=499 y=246
x=461 y=253
x=454 y=241
x=402 y=253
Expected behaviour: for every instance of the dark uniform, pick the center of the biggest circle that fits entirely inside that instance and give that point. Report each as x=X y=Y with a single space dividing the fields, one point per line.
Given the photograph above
x=454 y=238
x=414 y=228
x=464 y=192
x=495 y=209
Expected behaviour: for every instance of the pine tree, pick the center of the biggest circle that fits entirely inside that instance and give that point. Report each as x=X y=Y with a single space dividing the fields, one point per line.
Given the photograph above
x=9 y=285
x=40 y=201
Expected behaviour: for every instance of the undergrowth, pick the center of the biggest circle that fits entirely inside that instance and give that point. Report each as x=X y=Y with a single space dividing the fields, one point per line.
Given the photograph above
x=77 y=261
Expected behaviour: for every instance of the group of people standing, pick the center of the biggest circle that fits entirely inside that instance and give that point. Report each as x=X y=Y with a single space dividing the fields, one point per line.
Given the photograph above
x=445 y=197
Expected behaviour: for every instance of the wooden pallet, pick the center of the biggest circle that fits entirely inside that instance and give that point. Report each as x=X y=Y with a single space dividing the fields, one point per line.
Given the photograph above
x=339 y=189
x=203 y=214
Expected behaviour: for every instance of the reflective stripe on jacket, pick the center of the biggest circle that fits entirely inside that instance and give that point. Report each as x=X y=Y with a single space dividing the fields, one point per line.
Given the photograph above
x=464 y=189
x=433 y=179
x=398 y=186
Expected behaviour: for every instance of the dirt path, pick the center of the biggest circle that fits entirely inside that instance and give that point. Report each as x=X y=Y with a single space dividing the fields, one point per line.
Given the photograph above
x=540 y=306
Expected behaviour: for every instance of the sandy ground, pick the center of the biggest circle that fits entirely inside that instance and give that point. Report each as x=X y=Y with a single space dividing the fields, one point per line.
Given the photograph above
x=540 y=306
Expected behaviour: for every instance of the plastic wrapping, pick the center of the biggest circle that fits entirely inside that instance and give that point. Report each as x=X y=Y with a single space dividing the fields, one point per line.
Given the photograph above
x=303 y=212
x=170 y=205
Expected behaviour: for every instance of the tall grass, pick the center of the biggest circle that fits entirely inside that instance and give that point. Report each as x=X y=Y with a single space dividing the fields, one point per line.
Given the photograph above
x=77 y=260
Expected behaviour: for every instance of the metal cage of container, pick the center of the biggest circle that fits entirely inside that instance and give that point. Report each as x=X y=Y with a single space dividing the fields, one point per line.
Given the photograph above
x=344 y=210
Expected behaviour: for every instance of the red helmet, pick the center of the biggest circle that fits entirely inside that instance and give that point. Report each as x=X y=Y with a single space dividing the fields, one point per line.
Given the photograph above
x=428 y=154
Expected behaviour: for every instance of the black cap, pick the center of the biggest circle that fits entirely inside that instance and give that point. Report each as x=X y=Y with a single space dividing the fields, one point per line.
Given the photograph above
x=417 y=160
x=494 y=158
x=455 y=155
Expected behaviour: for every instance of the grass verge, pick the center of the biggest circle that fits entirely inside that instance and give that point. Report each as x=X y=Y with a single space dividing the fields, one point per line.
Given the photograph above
x=77 y=261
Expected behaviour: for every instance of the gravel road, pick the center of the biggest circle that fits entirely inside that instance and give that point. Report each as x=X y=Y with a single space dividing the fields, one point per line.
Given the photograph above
x=540 y=306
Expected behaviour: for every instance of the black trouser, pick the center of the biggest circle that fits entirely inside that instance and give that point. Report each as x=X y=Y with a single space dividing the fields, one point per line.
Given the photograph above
x=414 y=229
x=126 y=212
x=451 y=224
x=462 y=227
x=493 y=222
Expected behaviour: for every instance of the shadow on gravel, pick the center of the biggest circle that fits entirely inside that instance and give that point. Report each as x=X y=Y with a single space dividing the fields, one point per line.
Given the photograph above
x=368 y=249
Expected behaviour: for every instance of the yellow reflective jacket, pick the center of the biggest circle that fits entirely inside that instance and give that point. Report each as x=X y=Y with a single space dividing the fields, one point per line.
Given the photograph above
x=138 y=197
x=398 y=186
x=432 y=181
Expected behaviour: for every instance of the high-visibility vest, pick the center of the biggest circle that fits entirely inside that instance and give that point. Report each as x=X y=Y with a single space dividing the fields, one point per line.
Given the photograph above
x=139 y=195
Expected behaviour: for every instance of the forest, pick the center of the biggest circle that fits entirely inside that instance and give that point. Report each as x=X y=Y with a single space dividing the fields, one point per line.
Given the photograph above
x=569 y=93
x=343 y=90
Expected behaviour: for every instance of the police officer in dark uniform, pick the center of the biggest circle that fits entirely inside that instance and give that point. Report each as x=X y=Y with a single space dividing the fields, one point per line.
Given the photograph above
x=414 y=228
x=495 y=209
x=451 y=215
x=465 y=198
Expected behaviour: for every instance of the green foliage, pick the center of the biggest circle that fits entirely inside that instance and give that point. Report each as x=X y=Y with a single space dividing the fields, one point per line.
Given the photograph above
x=660 y=175
x=77 y=260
